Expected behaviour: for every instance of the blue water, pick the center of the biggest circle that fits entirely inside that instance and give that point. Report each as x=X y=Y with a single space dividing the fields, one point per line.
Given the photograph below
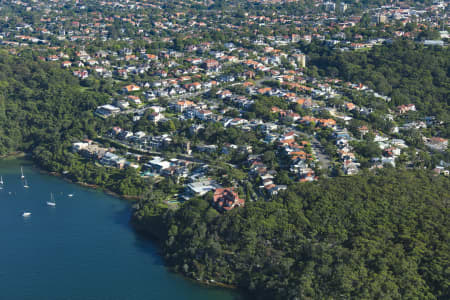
x=84 y=248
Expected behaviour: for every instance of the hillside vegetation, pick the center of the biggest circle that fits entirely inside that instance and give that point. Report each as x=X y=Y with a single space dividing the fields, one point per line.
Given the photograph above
x=42 y=105
x=408 y=72
x=383 y=236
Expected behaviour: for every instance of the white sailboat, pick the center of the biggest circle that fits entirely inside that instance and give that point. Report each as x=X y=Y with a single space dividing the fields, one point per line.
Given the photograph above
x=26 y=214
x=26 y=184
x=21 y=172
x=52 y=201
x=1 y=180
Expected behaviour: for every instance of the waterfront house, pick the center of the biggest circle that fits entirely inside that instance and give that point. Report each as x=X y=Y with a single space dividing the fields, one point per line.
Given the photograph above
x=225 y=199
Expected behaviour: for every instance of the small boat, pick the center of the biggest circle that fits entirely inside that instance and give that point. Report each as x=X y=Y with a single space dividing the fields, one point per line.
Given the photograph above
x=1 y=180
x=70 y=195
x=21 y=172
x=26 y=214
x=52 y=201
x=26 y=184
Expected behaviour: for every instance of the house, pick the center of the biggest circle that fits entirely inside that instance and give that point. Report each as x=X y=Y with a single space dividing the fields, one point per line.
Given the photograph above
x=224 y=94
x=90 y=150
x=349 y=167
x=388 y=161
x=349 y=106
x=307 y=175
x=77 y=147
x=53 y=58
x=202 y=187
x=139 y=134
x=300 y=59
x=265 y=91
x=275 y=189
x=101 y=54
x=363 y=130
x=122 y=104
x=66 y=64
x=413 y=125
x=406 y=108
x=115 y=131
x=157 y=164
x=207 y=148
x=235 y=122
x=203 y=114
x=437 y=143
x=227 y=148
x=292 y=116
x=441 y=170
x=192 y=87
x=398 y=143
x=155 y=117
x=225 y=199
x=124 y=135
x=196 y=128
x=392 y=152
x=211 y=65
x=150 y=57
x=305 y=103
x=112 y=160
x=150 y=95
x=158 y=142
x=130 y=88
x=380 y=138
x=134 y=100
x=182 y=105
x=82 y=74
x=327 y=123
x=196 y=61
x=288 y=136
x=107 y=110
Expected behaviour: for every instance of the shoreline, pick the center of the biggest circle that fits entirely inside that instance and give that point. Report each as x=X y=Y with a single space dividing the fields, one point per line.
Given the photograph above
x=90 y=185
x=155 y=239
x=133 y=225
x=142 y=231
x=16 y=154
x=25 y=155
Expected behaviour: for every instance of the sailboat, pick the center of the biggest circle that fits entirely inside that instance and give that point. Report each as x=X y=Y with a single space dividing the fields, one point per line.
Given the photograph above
x=1 y=180
x=21 y=171
x=26 y=184
x=52 y=201
x=26 y=214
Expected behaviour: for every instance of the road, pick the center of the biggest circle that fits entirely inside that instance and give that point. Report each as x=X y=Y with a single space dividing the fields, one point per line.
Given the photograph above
x=171 y=98
x=319 y=152
x=132 y=147
x=323 y=158
x=185 y=96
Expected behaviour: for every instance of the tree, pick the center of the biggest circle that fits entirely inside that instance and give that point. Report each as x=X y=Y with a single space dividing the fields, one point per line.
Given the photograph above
x=368 y=236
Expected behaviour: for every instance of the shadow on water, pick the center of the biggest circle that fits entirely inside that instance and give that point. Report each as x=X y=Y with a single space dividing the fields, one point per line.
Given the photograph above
x=151 y=247
x=142 y=242
x=121 y=216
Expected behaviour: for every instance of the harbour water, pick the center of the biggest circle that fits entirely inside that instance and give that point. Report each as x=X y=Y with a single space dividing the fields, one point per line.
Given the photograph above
x=82 y=248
